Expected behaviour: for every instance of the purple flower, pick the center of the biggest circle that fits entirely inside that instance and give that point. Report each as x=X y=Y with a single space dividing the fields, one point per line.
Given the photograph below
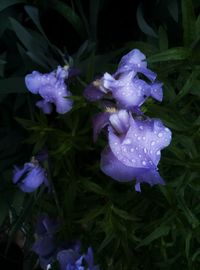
x=134 y=149
x=52 y=88
x=125 y=85
x=45 y=245
x=30 y=177
x=70 y=260
x=89 y=258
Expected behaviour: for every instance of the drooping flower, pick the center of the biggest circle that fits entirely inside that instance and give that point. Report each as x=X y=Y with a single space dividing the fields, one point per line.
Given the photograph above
x=45 y=245
x=30 y=177
x=133 y=150
x=125 y=85
x=71 y=259
x=52 y=88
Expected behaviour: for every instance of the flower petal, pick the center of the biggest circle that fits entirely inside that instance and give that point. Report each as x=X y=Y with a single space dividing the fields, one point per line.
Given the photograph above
x=45 y=106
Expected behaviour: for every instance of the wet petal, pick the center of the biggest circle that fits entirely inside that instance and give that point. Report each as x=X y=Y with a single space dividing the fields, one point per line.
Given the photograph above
x=142 y=143
x=156 y=91
x=120 y=121
x=114 y=168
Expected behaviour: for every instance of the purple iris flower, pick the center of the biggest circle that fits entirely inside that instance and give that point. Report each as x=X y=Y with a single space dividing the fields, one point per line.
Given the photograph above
x=89 y=258
x=52 y=88
x=30 y=177
x=133 y=150
x=70 y=260
x=125 y=85
x=45 y=245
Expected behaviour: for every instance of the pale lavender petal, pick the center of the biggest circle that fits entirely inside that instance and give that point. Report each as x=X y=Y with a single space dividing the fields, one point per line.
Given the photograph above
x=156 y=91
x=63 y=104
x=45 y=106
x=33 y=180
x=114 y=168
x=66 y=257
x=120 y=121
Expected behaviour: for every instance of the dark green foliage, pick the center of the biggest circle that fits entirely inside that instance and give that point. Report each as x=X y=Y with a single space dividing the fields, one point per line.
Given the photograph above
x=158 y=228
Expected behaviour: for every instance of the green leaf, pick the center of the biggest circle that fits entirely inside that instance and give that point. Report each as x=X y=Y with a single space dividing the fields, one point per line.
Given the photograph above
x=7 y=3
x=157 y=233
x=12 y=85
x=188 y=22
x=33 y=13
x=173 y=9
x=68 y=13
x=172 y=54
x=148 y=30
x=94 y=187
x=94 y=10
x=163 y=39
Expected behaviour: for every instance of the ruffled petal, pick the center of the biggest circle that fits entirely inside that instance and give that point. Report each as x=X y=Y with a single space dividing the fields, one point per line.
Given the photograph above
x=141 y=145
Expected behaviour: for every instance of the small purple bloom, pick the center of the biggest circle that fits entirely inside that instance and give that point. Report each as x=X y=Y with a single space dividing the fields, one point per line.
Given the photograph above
x=30 y=177
x=125 y=85
x=89 y=258
x=52 y=88
x=45 y=245
x=134 y=149
x=70 y=260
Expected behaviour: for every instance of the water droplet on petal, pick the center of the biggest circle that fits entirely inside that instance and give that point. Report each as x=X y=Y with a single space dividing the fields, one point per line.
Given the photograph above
x=140 y=156
x=152 y=143
x=144 y=162
x=144 y=138
x=145 y=150
x=127 y=141
x=132 y=150
x=141 y=127
x=158 y=153
x=160 y=135
x=139 y=138
x=133 y=160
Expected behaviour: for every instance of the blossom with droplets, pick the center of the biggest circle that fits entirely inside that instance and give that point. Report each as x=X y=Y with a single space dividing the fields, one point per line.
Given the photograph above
x=30 y=177
x=133 y=150
x=125 y=85
x=52 y=88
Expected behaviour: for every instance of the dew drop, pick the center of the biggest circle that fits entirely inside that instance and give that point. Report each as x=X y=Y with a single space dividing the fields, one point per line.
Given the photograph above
x=141 y=127
x=144 y=138
x=139 y=138
x=127 y=141
x=133 y=160
x=160 y=135
x=158 y=153
x=152 y=143
x=145 y=150
x=144 y=162
x=132 y=150
x=140 y=156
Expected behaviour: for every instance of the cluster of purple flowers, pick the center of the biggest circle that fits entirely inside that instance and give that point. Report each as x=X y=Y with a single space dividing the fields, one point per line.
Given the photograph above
x=52 y=88
x=50 y=251
x=134 y=140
